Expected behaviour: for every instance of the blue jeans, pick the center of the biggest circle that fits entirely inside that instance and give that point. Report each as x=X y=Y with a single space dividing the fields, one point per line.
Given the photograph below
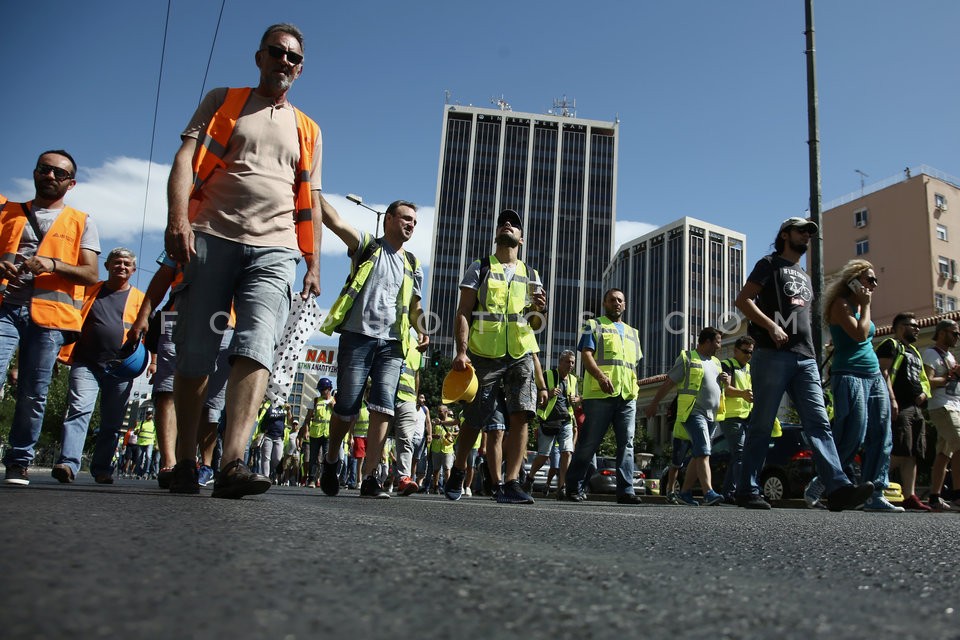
x=362 y=357
x=600 y=414
x=734 y=431
x=861 y=416
x=775 y=373
x=38 y=353
x=85 y=384
x=144 y=459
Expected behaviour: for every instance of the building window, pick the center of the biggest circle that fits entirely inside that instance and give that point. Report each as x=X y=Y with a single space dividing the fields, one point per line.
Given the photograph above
x=940 y=201
x=863 y=246
x=941 y=232
x=939 y=302
x=860 y=218
x=951 y=304
x=943 y=267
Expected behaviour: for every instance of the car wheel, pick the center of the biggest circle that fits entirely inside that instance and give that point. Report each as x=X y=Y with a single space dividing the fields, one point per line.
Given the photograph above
x=664 y=489
x=774 y=485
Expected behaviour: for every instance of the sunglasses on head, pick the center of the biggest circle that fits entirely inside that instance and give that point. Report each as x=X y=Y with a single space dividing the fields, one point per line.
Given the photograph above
x=58 y=173
x=278 y=53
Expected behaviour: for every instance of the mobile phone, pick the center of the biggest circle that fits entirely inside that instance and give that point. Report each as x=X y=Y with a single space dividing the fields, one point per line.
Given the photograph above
x=856 y=286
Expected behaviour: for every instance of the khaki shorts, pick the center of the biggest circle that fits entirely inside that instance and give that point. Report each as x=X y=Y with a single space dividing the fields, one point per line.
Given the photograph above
x=947 y=423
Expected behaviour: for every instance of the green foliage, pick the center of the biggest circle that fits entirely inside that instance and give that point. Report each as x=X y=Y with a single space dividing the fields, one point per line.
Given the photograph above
x=435 y=368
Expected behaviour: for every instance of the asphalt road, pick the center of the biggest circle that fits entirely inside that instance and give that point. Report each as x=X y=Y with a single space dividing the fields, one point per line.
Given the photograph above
x=88 y=561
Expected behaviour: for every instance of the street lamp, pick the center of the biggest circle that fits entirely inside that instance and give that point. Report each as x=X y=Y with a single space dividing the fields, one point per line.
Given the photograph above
x=354 y=198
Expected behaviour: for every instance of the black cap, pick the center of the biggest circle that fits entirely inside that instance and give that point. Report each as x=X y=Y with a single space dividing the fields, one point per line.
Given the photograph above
x=511 y=216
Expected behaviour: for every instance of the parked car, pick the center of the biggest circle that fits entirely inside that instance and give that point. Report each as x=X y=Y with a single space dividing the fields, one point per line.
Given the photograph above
x=540 y=479
x=604 y=478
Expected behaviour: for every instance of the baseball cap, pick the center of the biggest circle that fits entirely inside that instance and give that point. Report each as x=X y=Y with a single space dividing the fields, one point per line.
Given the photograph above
x=799 y=223
x=511 y=216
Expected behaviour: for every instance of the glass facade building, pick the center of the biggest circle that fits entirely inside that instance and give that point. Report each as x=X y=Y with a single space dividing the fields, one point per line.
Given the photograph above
x=559 y=173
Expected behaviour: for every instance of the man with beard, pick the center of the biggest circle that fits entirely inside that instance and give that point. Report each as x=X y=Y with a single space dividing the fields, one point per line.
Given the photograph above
x=902 y=366
x=495 y=336
x=776 y=300
x=48 y=253
x=243 y=206
x=610 y=349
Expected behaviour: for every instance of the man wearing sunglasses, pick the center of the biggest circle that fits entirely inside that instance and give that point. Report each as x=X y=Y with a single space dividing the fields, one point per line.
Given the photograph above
x=48 y=253
x=243 y=209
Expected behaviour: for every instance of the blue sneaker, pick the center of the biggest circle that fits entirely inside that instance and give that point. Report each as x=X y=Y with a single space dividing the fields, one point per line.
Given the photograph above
x=204 y=475
x=686 y=498
x=513 y=493
x=878 y=504
x=453 y=487
x=813 y=493
x=711 y=498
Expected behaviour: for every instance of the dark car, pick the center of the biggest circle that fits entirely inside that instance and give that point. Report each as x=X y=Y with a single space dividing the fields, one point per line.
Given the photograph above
x=786 y=471
x=604 y=479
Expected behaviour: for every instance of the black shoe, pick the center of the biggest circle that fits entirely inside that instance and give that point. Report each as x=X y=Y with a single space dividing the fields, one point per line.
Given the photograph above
x=849 y=497
x=62 y=473
x=628 y=498
x=16 y=474
x=103 y=478
x=330 y=477
x=164 y=476
x=183 y=478
x=754 y=501
x=370 y=488
x=574 y=496
x=236 y=480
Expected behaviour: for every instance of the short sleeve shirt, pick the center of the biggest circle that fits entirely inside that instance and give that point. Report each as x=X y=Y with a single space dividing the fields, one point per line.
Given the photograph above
x=941 y=362
x=102 y=334
x=906 y=383
x=785 y=296
x=471 y=277
x=708 y=397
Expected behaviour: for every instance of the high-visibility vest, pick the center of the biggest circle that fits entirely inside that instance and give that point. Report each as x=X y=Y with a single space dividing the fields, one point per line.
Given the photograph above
x=56 y=301
x=616 y=357
x=499 y=326
x=362 y=425
x=319 y=426
x=146 y=433
x=898 y=360
x=690 y=387
x=212 y=146
x=370 y=249
x=737 y=407
x=130 y=309
x=551 y=376
x=407 y=388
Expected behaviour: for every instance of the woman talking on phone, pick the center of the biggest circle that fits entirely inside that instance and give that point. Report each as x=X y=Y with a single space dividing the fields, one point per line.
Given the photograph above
x=861 y=395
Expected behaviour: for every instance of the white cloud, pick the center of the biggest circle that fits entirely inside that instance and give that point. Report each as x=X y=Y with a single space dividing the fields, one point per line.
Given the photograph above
x=421 y=244
x=627 y=230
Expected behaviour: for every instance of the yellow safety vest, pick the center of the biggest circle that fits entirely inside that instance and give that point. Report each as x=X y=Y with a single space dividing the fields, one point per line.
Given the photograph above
x=737 y=407
x=897 y=361
x=616 y=357
x=687 y=394
x=551 y=384
x=319 y=426
x=407 y=388
x=370 y=249
x=499 y=326
x=363 y=423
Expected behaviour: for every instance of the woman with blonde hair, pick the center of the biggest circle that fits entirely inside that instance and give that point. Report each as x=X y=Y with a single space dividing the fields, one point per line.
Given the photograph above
x=861 y=395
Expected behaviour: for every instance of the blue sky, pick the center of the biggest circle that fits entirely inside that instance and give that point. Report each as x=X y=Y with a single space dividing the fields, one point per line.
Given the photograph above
x=711 y=98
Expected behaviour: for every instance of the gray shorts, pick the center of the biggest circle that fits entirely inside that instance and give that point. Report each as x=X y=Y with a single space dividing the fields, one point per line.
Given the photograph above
x=166 y=357
x=258 y=281
x=563 y=438
x=507 y=386
x=441 y=460
x=216 y=385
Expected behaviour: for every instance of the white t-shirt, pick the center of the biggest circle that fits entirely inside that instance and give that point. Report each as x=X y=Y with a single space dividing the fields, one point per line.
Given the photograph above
x=421 y=423
x=940 y=363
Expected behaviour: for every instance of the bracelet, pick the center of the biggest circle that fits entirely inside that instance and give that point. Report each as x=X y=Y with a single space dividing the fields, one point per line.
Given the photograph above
x=54 y=260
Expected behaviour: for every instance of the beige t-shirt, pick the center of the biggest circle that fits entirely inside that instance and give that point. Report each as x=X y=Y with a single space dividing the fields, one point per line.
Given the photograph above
x=252 y=201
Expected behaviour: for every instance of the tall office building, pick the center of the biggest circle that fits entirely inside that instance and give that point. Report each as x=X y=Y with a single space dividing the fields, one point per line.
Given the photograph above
x=678 y=279
x=560 y=174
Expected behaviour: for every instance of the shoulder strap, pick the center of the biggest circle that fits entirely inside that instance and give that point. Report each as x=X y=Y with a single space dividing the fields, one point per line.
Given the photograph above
x=484 y=272
x=32 y=219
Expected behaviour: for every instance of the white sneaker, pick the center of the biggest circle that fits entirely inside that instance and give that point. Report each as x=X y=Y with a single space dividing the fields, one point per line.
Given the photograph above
x=467 y=492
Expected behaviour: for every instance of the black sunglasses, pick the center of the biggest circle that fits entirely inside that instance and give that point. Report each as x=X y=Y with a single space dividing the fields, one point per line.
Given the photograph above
x=278 y=53
x=58 y=173
x=873 y=280
x=745 y=352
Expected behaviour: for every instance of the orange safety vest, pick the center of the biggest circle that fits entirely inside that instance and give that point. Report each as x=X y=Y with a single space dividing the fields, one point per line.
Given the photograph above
x=213 y=146
x=56 y=301
x=130 y=310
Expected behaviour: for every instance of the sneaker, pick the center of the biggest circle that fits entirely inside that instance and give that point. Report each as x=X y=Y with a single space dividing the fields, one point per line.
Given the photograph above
x=572 y=496
x=712 y=498
x=330 y=477
x=468 y=492
x=686 y=498
x=813 y=493
x=513 y=493
x=204 y=475
x=63 y=473
x=103 y=478
x=164 y=476
x=371 y=488
x=914 y=503
x=453 y=487
x=528 y=484
x=407 y=486
x=938 y=504
x=849 y=496
x=753 y=501
x=236 y=480
x=628 y=498
x=878 y=504
x=184 y=478
x=16 y=475
x=672 y=498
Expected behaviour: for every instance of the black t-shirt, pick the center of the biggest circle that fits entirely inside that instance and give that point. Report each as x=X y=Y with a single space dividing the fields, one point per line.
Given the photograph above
x=785 y=296
x=102 y=334
x=906 y=383
x=274 y=422
x=560 y=411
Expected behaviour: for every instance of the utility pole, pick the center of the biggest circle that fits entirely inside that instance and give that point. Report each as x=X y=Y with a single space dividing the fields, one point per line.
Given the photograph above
x=815 y=263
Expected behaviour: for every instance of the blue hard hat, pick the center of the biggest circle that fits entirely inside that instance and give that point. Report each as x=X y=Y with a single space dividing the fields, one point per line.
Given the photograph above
x=324 y=383
x=129 y=366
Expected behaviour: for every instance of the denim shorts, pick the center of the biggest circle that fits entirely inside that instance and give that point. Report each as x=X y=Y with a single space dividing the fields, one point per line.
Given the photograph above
x=166 y=356
x=563 y=440
x=506 y=387
x=258 y=281
x=361 y=358
x=681 y=448
x=699 y=429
